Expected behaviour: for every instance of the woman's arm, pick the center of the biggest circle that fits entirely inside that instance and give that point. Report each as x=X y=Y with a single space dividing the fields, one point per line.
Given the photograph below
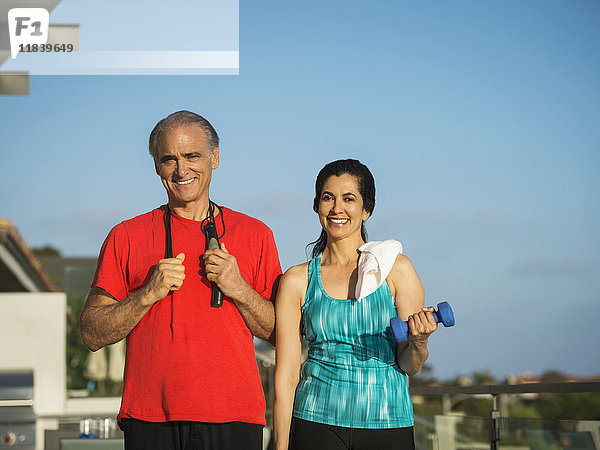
x=288 y=352
x=408 y=292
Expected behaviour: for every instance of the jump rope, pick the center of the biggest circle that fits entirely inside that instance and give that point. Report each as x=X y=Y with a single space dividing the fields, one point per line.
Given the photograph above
x=209 y=229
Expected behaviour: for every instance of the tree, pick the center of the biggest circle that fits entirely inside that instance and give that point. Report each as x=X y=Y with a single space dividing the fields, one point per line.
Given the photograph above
x=572 y=406
x=424 y=377
x=484 y=377
x=77 y=353
x=553 y=376
x=46 y=250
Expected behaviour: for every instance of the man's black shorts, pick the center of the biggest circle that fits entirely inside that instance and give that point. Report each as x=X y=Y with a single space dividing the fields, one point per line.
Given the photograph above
x=141 y=435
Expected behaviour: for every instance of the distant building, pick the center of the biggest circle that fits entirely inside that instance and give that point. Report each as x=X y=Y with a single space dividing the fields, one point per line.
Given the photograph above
x=20 y=270
x=528 y=377
x=70 y=275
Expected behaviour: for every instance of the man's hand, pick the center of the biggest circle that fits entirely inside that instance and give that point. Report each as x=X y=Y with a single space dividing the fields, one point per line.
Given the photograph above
x=104 y=320
x=168 y=276
x=222 y=268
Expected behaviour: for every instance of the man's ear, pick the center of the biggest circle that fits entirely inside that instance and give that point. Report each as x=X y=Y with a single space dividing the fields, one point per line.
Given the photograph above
x=215 y=158
x=156 y=166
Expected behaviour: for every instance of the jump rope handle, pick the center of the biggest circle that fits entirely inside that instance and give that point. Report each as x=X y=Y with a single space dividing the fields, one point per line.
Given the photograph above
x=212 y=241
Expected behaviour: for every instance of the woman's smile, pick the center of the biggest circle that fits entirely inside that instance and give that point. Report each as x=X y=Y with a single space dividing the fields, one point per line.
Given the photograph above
x=341 y=210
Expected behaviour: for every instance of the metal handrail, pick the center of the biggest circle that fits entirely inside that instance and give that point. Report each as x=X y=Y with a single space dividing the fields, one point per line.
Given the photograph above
x=498 y=389
x=24 y=402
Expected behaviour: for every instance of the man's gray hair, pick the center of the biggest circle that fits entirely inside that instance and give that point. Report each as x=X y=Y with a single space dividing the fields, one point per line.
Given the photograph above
x=182 y=119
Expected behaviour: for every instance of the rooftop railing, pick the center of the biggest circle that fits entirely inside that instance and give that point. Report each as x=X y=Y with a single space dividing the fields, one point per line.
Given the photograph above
x=456 y=431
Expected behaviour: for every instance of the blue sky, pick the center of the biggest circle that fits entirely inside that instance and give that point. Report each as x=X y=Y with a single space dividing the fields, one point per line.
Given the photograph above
x=479 y=120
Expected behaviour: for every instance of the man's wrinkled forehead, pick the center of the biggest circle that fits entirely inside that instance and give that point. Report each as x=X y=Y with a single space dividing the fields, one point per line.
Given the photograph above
x=191 y=135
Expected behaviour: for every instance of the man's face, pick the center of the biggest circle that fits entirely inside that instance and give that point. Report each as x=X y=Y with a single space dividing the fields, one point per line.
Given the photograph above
x=185 y=164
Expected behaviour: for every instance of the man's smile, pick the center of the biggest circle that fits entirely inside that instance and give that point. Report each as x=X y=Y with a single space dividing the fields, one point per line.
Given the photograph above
x=183 y=182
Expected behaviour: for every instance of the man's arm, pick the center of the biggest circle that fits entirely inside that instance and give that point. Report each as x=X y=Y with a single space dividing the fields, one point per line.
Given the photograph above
x=104 y=320
x=258 y=313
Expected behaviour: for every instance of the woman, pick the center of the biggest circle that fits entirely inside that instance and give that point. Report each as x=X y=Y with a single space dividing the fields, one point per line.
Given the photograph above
x=353 y=390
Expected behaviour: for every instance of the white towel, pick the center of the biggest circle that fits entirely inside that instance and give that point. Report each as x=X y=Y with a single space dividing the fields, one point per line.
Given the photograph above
x=374 y=264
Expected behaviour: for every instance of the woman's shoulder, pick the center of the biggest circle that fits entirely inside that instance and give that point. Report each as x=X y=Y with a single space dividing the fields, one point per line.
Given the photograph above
x=401 y=272
x=293 y=284
x=296 y=274
x=402 y=265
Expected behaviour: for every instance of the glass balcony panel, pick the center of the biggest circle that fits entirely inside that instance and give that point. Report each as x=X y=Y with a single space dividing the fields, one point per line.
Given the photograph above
x=456 y=432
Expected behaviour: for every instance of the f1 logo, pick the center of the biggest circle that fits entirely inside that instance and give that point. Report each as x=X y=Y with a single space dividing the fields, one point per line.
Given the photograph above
x=27 y=26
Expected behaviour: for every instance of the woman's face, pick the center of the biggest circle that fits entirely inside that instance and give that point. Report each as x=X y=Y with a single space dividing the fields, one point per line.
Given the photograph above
x=341 y=211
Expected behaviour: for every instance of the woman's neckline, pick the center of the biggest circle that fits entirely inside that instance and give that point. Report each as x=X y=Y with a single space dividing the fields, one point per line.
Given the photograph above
x=320 y=280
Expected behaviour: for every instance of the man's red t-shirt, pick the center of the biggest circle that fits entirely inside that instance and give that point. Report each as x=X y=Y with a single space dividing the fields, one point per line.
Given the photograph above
x=185 y=359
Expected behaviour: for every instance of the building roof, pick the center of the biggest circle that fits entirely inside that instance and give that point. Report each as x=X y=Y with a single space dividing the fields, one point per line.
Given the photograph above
x=20 y=270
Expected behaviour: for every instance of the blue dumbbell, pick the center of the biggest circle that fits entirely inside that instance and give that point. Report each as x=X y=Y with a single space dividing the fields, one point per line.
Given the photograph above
x=444 y=314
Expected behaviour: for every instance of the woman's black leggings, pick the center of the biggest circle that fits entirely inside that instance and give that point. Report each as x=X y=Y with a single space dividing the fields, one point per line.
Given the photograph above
x=306 y=435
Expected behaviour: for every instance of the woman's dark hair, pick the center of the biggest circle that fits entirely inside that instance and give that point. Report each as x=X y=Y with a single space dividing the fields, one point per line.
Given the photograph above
x=366 y=188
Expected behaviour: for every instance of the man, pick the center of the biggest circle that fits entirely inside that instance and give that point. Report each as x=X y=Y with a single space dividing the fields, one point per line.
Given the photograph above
x=191 y=378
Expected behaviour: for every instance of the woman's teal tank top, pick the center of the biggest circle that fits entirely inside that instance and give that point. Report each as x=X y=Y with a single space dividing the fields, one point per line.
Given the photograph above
x=351 y=378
